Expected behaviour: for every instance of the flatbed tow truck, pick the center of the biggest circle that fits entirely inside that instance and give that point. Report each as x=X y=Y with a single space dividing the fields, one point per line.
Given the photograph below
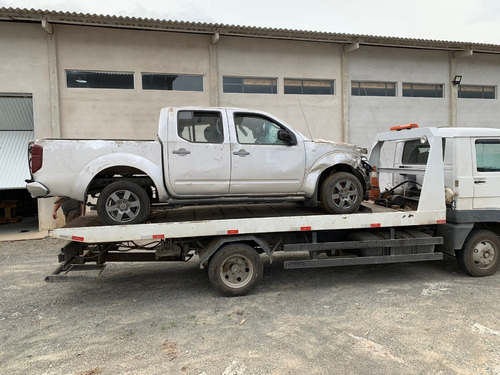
x=428 y=211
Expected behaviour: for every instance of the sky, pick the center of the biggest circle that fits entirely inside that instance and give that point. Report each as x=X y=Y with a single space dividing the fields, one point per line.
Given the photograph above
x=471 y=21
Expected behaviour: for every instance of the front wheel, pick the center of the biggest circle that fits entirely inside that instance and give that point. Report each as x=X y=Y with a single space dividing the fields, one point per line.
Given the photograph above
x=123 y=202
x=480 y=254
x=235 y=269
x=341 y=193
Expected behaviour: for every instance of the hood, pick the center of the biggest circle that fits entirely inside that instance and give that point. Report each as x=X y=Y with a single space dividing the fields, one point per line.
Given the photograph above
x=340 y=146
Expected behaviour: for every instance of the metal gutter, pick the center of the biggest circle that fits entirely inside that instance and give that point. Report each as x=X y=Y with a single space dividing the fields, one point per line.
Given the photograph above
x=93 y=20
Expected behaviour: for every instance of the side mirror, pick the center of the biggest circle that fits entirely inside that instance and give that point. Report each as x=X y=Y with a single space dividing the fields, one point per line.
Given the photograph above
x=287 y=137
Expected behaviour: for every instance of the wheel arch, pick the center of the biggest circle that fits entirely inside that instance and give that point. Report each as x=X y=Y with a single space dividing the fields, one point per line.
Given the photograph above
x=119 y=163
x=457 y=233
x=490 y=226
x=341 y=168
x=217 y=242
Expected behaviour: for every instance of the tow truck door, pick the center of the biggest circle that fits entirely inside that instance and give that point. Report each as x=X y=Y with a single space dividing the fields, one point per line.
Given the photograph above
x=486 y=172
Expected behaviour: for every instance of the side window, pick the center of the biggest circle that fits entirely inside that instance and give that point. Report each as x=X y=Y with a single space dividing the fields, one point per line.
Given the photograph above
x=255 y=129
x=488 y=155
x=415 y=152
x=200 y=126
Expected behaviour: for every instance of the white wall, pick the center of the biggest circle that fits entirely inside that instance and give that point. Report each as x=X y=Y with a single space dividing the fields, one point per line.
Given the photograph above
x=369 y=115
x=479 y=69
x=119 y=113
x=24 y=69
x=249 y=57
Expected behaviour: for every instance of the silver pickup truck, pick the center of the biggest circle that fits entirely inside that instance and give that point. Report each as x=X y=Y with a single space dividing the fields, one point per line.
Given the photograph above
x=202 y=155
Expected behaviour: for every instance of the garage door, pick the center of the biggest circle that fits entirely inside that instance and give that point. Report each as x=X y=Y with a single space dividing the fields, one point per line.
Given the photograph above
x=16 y=130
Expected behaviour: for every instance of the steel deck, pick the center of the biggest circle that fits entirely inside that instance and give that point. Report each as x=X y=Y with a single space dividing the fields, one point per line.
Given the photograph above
x=202 y=221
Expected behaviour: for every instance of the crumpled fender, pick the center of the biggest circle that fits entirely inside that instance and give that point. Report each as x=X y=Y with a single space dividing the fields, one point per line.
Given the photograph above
x=325 y=162
x=94 y=167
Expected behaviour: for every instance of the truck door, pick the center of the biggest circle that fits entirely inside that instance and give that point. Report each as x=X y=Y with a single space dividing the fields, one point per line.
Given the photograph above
x=486 y=172
x=262 y=163
x=198 y=154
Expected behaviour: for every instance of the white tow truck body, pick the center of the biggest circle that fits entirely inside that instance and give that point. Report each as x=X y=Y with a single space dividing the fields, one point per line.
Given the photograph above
x=441 y=200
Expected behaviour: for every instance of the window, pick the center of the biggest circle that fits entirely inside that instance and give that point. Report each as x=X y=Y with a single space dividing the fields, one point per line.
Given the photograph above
x=175 y=82
x=476 y=92
x=309 y=86
x=99 y=80
x=359 y=88
x=415 y=152
x=423 y=90
x=250 y=85
x=488 y=155
x=255 y=129
x=200 y=126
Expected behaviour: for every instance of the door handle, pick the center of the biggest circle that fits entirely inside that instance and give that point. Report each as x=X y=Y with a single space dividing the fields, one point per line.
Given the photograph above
x=181 y=151
x=241 y=153
x=479 y=181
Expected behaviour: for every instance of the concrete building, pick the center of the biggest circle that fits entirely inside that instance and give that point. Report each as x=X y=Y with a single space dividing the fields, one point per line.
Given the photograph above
x=93 y=76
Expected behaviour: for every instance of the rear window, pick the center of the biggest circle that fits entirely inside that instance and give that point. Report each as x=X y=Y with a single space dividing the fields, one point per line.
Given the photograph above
x=415 y=152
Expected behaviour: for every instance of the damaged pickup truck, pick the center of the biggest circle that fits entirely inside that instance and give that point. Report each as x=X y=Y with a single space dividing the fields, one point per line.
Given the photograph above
x=202 y=156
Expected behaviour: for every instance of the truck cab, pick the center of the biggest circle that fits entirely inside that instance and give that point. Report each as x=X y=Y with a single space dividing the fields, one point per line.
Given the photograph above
x=471 y=163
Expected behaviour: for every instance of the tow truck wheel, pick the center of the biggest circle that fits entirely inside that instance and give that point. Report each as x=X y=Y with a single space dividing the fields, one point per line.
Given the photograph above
x=480 y=254
x=235 y=269
x=341 y=193
x=123 y=202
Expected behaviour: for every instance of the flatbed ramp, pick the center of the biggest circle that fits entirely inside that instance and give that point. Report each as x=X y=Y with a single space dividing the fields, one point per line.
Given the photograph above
x=242 y=219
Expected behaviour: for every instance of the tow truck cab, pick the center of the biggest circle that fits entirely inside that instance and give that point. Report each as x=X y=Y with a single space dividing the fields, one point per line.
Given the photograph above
x=471 y=162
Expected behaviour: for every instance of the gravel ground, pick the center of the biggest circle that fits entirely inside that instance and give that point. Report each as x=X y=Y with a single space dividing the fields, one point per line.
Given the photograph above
x=161 y=318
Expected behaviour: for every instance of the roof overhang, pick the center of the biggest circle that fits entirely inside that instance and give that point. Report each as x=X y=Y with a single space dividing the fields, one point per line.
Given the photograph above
x=66 y=18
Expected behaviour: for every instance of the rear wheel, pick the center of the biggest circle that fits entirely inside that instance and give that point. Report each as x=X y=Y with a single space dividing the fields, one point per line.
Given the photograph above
x=235 y=269
x=123 y=202
x=480 y=254
x=341 y=193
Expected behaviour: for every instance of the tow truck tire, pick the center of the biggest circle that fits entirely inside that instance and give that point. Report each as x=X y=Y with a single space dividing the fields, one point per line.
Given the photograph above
x=123 y=202
x=480 y=254
x=341 y=193
x=235 y=269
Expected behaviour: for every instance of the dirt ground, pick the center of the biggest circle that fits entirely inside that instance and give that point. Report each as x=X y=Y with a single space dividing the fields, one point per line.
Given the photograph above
x=161 y=318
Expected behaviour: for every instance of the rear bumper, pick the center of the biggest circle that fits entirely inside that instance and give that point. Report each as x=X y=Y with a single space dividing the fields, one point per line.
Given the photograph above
x=36 y=189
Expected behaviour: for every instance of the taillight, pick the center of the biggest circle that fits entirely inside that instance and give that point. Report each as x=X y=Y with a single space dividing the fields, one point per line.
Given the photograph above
x=36 y=158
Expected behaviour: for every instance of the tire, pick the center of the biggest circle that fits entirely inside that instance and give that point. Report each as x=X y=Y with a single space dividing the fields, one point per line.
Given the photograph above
x=235 y=270
x=480 y=254
x=123 y=202
x=341 y=193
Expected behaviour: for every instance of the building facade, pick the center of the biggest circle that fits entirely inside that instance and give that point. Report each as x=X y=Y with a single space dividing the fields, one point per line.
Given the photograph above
x=90 y=76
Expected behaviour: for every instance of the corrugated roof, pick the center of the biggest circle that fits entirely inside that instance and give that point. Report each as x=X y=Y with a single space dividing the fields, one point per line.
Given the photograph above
x=68 y=18
x=16 y=113
x=14 y=159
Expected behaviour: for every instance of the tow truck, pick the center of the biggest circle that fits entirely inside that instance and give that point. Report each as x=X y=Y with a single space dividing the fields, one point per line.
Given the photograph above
x=441 y=198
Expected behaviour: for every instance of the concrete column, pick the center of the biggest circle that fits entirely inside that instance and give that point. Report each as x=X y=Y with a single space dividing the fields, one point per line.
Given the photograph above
x=344 y=70
x=213 y=78
x=453 y=90
x=53 y=81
